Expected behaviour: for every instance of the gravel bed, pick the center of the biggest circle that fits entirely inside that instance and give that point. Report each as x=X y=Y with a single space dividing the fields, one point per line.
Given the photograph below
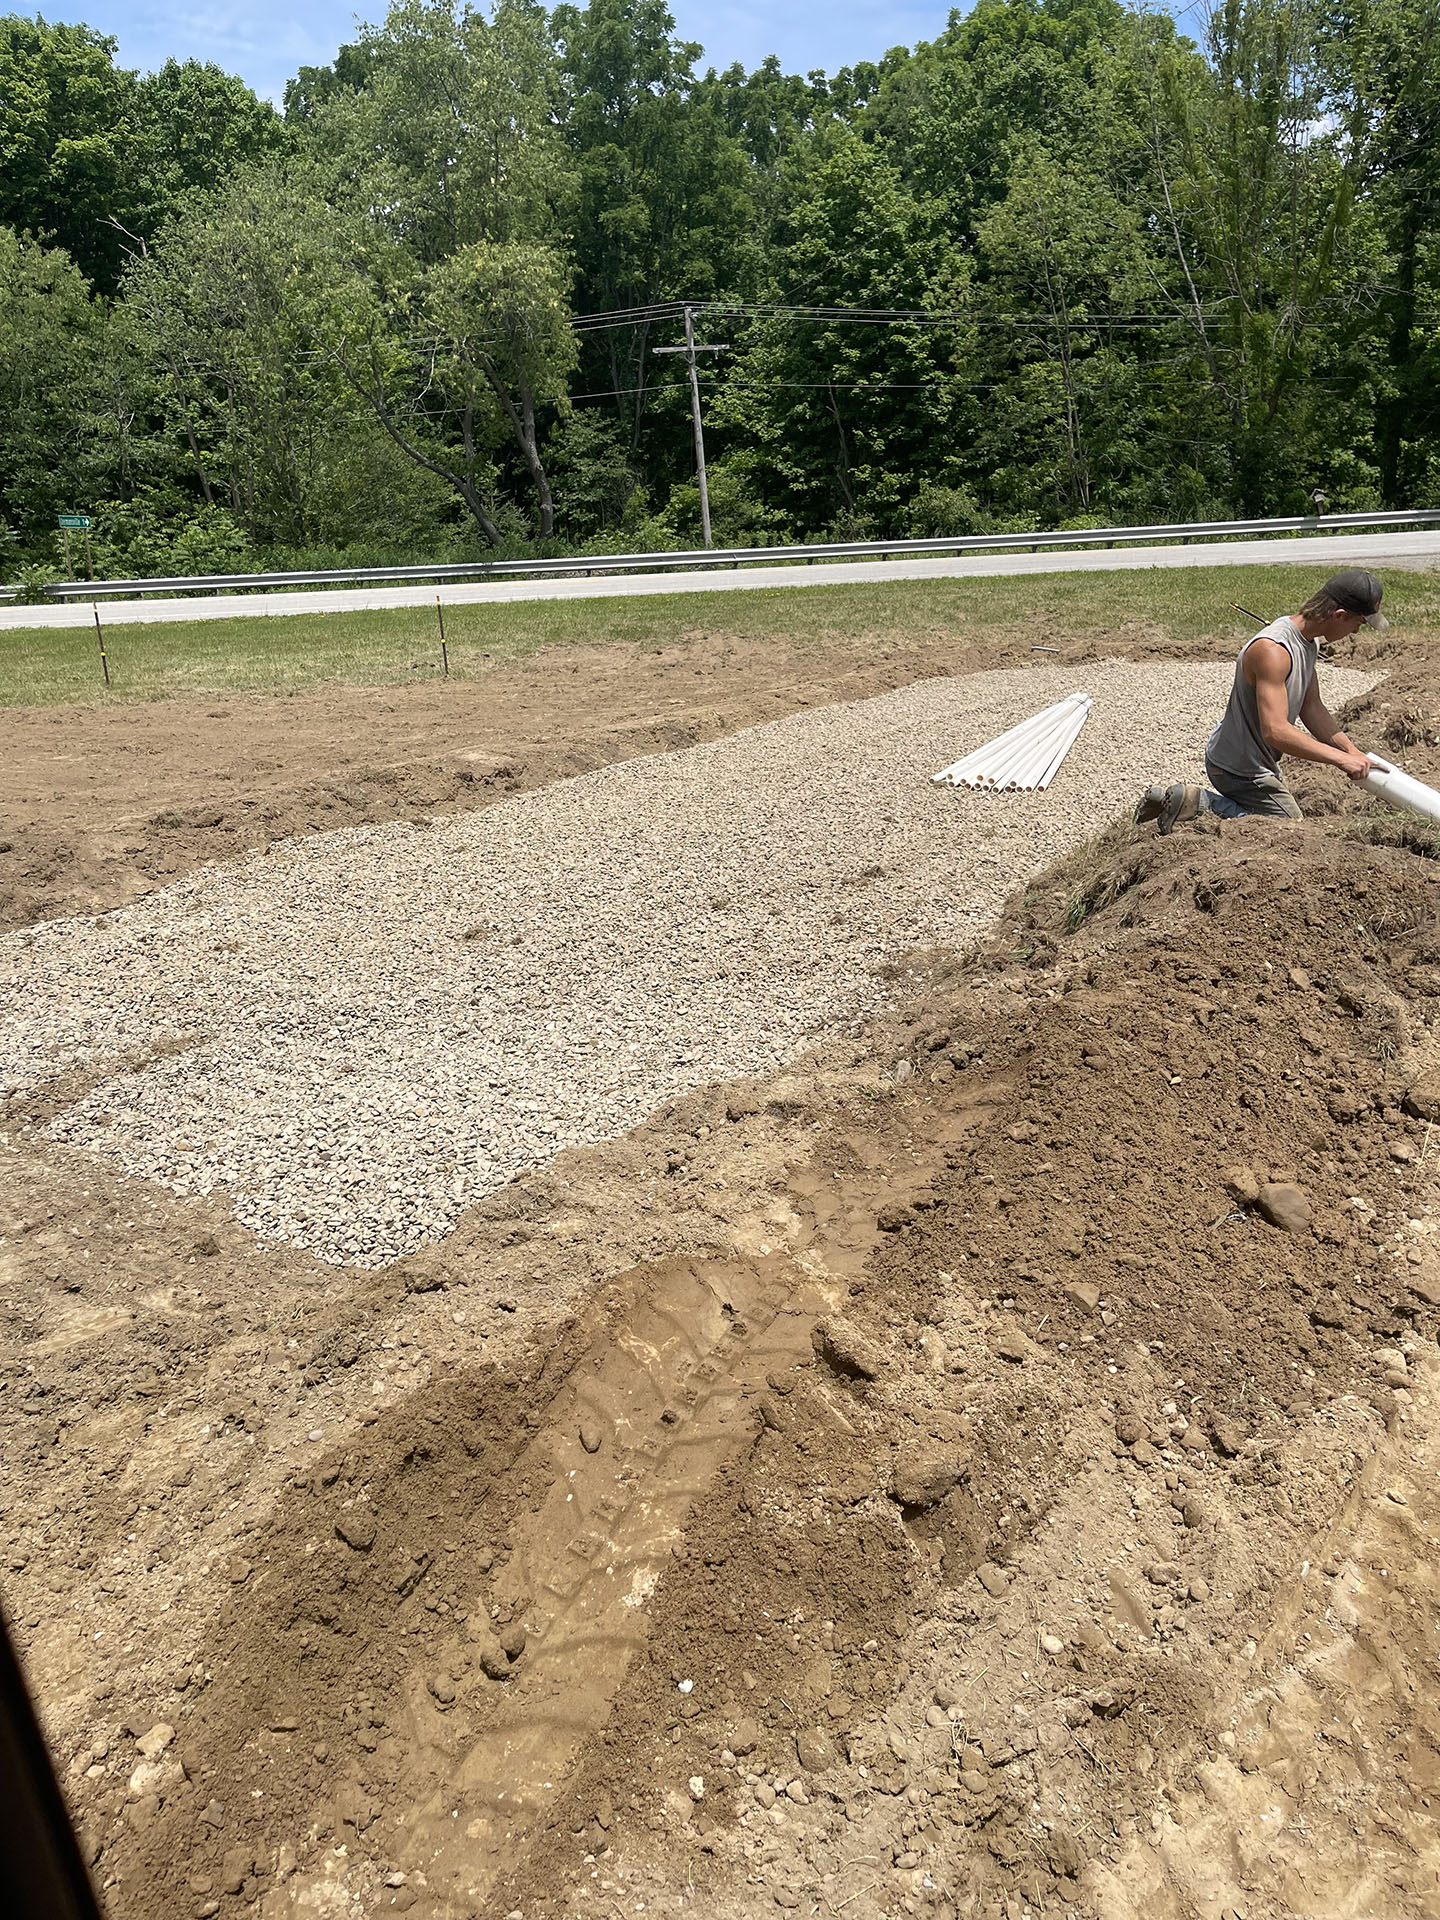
x=357 y=1034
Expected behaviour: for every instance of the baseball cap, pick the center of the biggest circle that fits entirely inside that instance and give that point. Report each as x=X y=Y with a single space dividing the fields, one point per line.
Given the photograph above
x=1357 y=591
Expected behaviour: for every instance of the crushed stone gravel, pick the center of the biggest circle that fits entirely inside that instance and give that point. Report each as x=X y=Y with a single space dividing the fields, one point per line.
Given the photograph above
x=356 y=1035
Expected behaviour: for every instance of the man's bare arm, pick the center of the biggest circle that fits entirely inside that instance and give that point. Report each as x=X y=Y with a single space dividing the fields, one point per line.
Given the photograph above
x=1319 y=720
x=1267 y=666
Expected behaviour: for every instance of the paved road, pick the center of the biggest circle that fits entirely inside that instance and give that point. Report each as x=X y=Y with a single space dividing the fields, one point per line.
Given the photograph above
x=1411 y=550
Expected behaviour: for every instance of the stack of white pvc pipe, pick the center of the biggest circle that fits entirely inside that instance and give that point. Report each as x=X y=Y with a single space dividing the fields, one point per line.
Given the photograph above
x=1401 y=789
x=1026 y=758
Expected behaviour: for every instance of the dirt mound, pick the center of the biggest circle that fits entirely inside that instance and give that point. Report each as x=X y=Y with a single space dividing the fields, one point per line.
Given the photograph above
x=1163 y=1400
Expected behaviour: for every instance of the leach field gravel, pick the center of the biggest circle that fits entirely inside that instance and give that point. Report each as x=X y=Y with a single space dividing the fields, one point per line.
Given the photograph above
x=610 y=1303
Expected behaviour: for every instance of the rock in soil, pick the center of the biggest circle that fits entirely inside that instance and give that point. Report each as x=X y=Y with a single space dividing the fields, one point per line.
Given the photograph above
x=923 y=1478
x=1285 y=1206
x=847 y=1351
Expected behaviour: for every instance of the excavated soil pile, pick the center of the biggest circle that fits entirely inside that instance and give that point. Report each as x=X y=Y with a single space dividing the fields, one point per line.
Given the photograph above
x=986 y=1469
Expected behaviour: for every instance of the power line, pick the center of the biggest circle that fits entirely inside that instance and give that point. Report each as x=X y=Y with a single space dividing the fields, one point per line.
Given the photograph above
x=861 y=316
x=662 y=310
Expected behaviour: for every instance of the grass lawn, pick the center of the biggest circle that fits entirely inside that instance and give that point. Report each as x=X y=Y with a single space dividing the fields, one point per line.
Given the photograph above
x=1179 y=606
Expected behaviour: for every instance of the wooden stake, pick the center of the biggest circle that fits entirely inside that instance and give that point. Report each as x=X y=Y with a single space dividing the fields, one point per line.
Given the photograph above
x=100 y=636
x=444 y=655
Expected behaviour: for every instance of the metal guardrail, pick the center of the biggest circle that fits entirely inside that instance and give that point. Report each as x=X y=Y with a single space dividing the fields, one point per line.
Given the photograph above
x=701 y=557
x=9 y=593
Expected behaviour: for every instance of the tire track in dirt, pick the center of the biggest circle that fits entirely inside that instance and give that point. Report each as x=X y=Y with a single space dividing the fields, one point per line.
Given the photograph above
x=584 y=1482
x=662 y=1409
x=1302 y=1739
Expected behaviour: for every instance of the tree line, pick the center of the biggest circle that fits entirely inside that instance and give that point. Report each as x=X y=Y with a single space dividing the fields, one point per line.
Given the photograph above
x=1060 y=266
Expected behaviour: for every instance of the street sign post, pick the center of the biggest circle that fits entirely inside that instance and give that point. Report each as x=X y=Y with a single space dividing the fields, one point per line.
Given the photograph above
x=76 y=523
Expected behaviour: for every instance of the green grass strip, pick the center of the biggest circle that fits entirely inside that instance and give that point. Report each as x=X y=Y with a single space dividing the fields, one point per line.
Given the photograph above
x=1137 y=610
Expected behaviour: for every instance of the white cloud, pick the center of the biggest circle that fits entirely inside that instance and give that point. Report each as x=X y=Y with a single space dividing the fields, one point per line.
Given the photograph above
x=265 y=42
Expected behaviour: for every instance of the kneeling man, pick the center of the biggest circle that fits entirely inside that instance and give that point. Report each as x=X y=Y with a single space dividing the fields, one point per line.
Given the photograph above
x=1274 y=695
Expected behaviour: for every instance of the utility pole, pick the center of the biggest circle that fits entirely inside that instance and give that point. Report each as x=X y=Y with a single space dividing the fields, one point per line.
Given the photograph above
x=690 y=349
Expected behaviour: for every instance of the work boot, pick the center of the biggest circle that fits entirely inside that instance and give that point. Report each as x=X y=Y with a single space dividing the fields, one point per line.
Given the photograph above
x=1149 y=805
x=1181 y=803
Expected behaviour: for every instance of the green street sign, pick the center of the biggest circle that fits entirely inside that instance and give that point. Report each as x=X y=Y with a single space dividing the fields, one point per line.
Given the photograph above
x=74 y=522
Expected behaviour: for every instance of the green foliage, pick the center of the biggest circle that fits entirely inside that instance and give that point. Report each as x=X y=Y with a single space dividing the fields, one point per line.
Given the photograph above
x=840 y=420
x=739 y=516
x=293 y=343
x=662 y=190
x=94 y=158
x=66 y=164
x=664 y=204
x=156 y=536
x=452 y=136
x=314 y=87
x=195 y=126
x=938 y=512
x=952 y=115
x=212 y=314
x=51 y=332
x=1156 y=279
x=596 y=488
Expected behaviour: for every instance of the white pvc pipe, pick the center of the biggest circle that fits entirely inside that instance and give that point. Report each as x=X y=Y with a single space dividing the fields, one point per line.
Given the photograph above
x=1401 y=789
x=1034 y=768
x=1000 y=767
x=1047 y=753
x=1012 y=767
x=1019 y=768
x=1026 y=756
x=1060 y=744
x=1002 y=770
x=992 y=751
x=1064 y=748
x=982 y=755
x=985 y=765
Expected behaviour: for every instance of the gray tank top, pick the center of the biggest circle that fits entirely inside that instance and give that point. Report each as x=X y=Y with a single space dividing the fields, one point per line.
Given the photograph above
x=1237 y=746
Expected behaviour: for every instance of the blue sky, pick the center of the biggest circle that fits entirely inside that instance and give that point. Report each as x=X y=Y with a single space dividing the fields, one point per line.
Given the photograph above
x=264 y=42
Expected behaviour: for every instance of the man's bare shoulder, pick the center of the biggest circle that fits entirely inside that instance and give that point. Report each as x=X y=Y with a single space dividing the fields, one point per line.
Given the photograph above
x=1265 y=659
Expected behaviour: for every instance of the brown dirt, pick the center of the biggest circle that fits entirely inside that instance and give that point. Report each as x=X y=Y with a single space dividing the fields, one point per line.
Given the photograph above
x=939 y=1431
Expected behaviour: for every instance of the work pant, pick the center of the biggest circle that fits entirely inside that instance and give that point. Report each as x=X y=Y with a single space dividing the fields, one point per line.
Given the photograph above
x=1233 y=797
